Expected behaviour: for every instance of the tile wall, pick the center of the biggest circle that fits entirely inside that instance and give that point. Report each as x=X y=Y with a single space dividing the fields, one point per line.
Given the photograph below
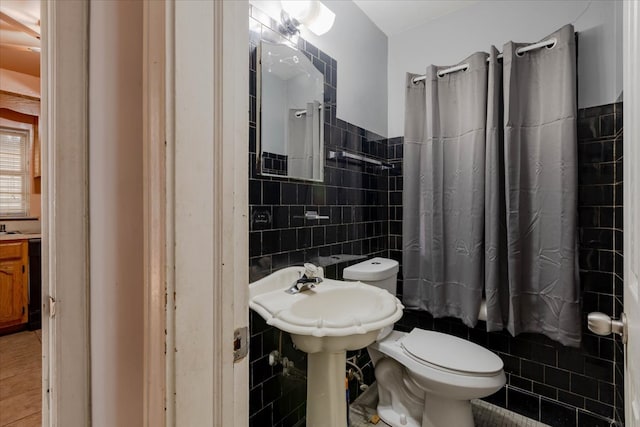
x=618 y=266
x=354 y=197
x=558 y=385
x=275 y=164
x=600 y=144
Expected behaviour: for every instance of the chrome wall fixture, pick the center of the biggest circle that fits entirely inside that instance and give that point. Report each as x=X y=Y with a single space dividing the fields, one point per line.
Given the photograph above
x=602 y=324
x=314 y=15
x=343 y=155
x=313 y=215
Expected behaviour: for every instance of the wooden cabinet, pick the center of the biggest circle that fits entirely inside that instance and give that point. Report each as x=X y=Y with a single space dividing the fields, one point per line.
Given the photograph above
x=14 y=297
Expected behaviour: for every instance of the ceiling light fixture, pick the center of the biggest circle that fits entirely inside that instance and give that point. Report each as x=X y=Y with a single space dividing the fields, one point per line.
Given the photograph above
x=314 y=15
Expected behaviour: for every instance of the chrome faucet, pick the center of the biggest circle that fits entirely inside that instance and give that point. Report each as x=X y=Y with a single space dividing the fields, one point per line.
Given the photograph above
x=307 y=281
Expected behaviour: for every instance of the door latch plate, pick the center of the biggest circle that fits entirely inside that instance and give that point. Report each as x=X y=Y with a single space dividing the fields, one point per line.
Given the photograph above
x=52 y=307
x=240 y=343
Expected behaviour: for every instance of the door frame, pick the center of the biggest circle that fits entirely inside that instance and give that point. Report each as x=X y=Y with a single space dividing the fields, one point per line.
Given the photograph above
x=196 y=212
x=631 y=221
x=192 y=92
x=66 y=386
x=155 y=256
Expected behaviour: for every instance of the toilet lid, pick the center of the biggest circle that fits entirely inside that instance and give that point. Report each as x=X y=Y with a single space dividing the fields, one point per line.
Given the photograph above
x=451 y=353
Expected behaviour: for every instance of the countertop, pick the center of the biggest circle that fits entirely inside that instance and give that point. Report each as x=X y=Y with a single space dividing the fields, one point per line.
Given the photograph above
x=7 y=237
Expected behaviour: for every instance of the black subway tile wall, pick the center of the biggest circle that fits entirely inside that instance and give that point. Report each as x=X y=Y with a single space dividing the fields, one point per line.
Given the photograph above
x=274 y=164
x=353 y=196
x=618 y=267
x=546 y=381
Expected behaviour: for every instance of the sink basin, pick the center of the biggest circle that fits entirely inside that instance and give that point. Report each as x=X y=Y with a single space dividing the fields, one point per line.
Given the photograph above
x=325 y=322
x=319 y=317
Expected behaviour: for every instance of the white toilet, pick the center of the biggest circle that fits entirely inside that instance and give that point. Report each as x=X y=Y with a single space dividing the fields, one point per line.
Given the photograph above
x=425 y=378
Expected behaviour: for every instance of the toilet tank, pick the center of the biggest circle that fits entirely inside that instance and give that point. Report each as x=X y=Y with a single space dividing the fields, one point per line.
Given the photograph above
x=379 y=272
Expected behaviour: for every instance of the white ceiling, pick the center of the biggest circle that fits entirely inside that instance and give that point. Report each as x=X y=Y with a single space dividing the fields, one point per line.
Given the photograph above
x=16 y=46
x=396 y=16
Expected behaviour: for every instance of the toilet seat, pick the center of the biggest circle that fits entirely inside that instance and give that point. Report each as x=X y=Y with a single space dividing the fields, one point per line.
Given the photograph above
x=450 y=354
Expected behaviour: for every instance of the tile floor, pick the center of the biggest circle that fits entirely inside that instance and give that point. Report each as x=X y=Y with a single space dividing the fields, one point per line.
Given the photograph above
x=20 y=379
x=484 y=414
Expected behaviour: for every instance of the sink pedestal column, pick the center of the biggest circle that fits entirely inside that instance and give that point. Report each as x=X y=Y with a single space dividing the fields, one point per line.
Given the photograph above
x=326 y=399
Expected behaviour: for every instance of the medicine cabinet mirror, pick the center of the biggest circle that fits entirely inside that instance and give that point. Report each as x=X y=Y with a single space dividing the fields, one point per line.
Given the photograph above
x=291 y=114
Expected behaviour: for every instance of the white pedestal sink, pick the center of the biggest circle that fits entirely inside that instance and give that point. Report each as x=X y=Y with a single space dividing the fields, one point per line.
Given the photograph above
x=325 y=322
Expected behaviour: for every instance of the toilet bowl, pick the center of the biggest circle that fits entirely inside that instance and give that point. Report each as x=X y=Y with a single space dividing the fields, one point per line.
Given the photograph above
x=425 y=378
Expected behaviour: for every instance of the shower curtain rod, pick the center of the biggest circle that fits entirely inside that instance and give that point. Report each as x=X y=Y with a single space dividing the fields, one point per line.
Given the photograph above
x=547 y=43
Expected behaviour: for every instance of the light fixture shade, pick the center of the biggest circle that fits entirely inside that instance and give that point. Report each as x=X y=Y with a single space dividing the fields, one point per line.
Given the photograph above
x=317 y=17
x=323 y=19
x=297 y=9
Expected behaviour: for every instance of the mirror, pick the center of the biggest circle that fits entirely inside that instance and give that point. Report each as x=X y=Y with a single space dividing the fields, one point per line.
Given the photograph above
x=291 y=115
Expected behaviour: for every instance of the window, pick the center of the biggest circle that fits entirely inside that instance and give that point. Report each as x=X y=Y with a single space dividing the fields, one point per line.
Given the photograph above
x=14 y=172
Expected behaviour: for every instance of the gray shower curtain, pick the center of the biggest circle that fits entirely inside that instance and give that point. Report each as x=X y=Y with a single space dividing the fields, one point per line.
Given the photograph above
x=495 y=247
x=540 y=152
x=490 y=191
x=443 y=197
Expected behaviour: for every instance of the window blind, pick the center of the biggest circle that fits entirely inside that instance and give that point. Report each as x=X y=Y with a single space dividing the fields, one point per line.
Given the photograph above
x=14 y=173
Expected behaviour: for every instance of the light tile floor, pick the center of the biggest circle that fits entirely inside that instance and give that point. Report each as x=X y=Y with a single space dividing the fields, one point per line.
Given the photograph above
x=484 y=414
x=21 y=379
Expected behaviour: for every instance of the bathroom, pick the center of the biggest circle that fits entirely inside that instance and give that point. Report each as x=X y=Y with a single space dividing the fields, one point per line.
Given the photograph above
x=359 y=207
x=146 y=282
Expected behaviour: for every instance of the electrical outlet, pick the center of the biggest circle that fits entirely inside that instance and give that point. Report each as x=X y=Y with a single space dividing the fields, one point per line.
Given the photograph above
x=261 y=218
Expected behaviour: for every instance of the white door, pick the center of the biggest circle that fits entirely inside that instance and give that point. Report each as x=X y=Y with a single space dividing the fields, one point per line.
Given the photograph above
x=206 y=220
x=631 y=152
x=65 y=256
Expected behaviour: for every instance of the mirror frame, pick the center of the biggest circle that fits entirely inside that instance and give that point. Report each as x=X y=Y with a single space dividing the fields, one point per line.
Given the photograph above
x=258 y=164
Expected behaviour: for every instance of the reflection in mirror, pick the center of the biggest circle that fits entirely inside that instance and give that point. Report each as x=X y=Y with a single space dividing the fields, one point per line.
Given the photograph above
x=291 y=119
